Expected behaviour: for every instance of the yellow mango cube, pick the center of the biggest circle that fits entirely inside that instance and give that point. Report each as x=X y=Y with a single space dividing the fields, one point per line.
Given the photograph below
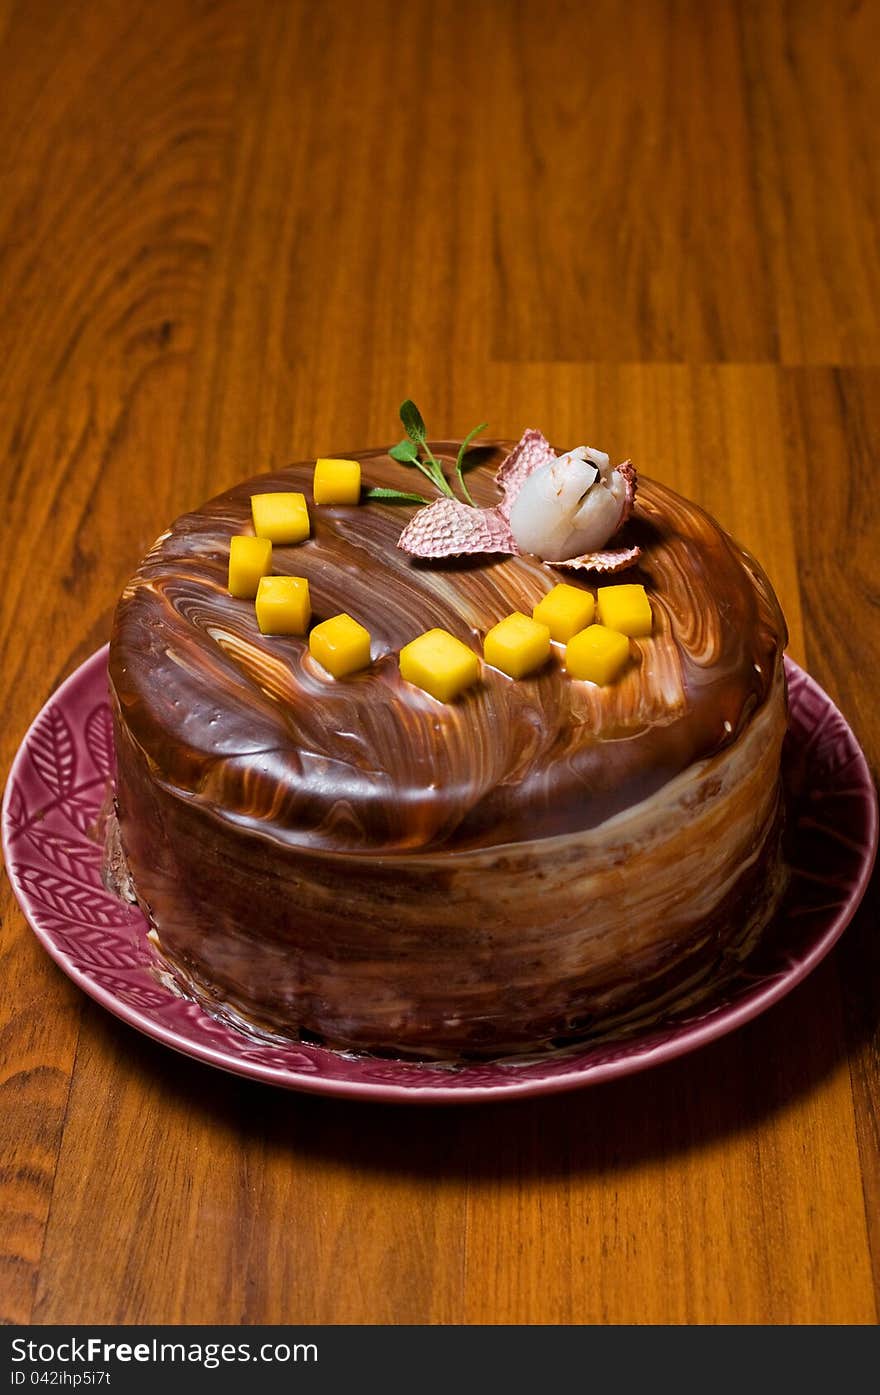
x=627 y=609
x=440 y=664
x=565 y=610
x=283 y=605
x=284 y=518
x=597 y=654
x=337 y=482
x=340 y=645
x=249 y=560
x=517 y=645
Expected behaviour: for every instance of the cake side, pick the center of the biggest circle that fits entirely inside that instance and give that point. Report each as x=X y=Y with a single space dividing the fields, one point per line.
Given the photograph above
x=477 y=952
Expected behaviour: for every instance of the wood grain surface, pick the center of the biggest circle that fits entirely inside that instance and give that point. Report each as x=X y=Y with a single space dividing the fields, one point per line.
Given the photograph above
x=238 y=233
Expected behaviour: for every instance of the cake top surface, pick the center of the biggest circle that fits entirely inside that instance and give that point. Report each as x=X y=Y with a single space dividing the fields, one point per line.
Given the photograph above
x=253 y=728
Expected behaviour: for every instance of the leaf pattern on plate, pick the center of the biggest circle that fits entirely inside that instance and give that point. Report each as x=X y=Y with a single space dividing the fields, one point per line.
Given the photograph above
x=103 y=955
x=142 y=994
x=99 y=738
x=52 y=750
x=83 y=806
x=76 y=859
x=101 y=942
x=16 y=809
x=81 y=902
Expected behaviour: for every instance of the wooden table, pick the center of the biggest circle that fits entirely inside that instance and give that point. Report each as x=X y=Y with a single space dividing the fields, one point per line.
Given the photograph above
x=234 y=234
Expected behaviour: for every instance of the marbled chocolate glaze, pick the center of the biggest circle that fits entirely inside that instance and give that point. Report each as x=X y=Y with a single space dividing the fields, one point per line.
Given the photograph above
x=250 y=728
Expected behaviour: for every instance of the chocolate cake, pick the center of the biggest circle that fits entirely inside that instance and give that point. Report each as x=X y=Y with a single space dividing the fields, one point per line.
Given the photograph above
x=353 y=861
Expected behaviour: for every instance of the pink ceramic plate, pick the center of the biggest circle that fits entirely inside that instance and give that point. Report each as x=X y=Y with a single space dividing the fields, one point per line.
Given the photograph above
x=61 y=775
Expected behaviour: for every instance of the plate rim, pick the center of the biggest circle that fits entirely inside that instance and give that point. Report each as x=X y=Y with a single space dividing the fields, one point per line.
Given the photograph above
x=689 y=1039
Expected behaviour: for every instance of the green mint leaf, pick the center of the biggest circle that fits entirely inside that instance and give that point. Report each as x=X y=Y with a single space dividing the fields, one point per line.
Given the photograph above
x=404 y=452
x=394 y=495
x=413 y=423
x=433 y=471
x=407 y=452
x=463 y=448
x=460 y=459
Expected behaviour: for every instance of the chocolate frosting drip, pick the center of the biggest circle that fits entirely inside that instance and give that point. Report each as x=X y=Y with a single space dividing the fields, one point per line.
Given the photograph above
x=254 y=730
